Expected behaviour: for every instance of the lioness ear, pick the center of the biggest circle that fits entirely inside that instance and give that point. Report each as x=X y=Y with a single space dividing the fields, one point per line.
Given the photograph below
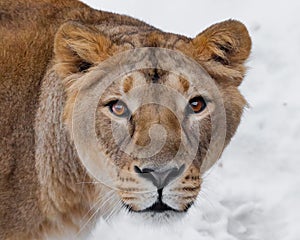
x=78 y=47
x=222 y=49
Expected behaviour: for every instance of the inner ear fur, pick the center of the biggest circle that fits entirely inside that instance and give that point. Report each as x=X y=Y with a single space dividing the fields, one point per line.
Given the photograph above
x=78 y=47
x=222 y=50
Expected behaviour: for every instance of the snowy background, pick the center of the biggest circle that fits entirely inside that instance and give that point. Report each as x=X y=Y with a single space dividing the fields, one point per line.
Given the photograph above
x=253 y=193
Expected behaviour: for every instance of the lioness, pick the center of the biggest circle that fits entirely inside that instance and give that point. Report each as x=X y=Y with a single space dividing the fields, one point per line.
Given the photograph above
x=50 y=53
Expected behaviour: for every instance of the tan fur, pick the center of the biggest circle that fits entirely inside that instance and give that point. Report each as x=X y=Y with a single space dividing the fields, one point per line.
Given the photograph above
x=43 y=46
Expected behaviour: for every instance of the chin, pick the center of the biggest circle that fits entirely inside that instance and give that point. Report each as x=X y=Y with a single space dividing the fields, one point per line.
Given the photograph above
x=158 y=218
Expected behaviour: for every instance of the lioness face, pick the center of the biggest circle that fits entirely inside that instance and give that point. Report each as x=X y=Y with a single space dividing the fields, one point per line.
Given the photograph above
x=144 y=135
x=155 y=127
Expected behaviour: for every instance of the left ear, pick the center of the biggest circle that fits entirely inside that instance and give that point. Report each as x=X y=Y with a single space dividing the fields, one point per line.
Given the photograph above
x=78 y=47
x=222 y=50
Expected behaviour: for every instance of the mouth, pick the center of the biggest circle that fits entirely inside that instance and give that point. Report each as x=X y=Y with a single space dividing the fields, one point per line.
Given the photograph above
x=158 y=207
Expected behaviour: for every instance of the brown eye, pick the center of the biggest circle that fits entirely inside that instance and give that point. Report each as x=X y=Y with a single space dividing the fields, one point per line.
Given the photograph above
x=197 y=104
x=118 y=108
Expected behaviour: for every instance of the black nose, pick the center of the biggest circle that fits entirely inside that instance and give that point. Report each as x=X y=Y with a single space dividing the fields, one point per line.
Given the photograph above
x=159 y=178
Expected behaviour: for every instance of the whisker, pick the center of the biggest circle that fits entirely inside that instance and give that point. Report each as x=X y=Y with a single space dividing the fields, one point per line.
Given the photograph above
x=89 y=182
x=111 y=207
x=110 y=193
x=116 y=208
x=85 y=174
x=87 y=222
x=205 y=197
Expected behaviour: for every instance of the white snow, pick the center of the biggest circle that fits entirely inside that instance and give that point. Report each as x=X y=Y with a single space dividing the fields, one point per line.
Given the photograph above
x=253 y=193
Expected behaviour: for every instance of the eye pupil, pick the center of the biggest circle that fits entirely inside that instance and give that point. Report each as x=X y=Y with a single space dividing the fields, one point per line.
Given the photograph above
x=197 y=104
x=118 y=108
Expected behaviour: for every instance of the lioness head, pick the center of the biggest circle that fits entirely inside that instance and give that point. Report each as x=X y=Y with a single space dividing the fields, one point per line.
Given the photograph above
x=154 y=125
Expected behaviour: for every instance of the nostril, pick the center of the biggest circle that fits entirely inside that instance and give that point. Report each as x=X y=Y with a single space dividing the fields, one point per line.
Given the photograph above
x=144 y=170
x=137 y=169
x=147 y=170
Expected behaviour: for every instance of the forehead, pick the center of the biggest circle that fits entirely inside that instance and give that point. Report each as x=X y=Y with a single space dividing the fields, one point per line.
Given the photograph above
x=155 y=76
x=154 y=85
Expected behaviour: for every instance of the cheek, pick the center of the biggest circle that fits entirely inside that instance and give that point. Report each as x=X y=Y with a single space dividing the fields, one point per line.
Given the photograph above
x=205 y=133
x=197 y=139
x=113 y=136
x=184 y=191
x=103 y=128
x=190 y=180
x=234 y=104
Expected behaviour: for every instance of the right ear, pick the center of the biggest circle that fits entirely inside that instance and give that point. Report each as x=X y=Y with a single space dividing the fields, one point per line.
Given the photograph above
x=222 y=50
x=78 y=47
